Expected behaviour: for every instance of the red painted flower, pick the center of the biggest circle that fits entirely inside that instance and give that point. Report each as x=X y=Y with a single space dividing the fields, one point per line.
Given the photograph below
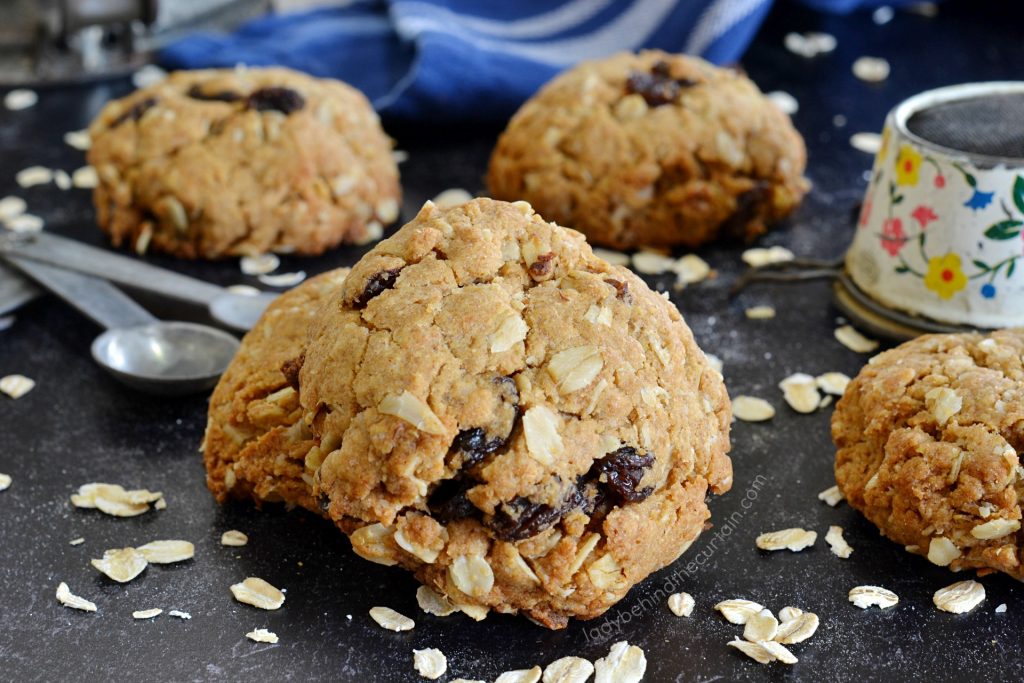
x=865 y=212
x=924 y=215
x=940 y=181
x=893 y=237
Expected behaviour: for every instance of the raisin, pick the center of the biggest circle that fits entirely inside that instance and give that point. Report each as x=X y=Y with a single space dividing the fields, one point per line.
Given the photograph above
x=284 y=100
x=621 y=289
x=449 y=501
x=749 y=206
x=474 y=445
x=622 y=471
x=521 y=518
x=376 y=285
x=290 y=369
x=135 y=112
x=196 y=93
x=657 y=87
x=543 y=267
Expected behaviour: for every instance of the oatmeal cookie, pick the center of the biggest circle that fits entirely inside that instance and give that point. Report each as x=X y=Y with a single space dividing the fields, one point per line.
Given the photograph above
x=652 y=149
x=521 y=424
x=928 y=436
x=256 y=443
x=236 y=162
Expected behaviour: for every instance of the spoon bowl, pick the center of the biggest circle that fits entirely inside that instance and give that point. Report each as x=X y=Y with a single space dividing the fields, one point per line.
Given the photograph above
x=166 y=358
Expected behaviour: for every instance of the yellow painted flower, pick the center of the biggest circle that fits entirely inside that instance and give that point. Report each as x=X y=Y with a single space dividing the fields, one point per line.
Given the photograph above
x=944 y=276
x=908 y=166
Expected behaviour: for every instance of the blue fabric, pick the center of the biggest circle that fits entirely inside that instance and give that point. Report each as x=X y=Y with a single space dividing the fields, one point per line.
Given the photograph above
x=450 y=60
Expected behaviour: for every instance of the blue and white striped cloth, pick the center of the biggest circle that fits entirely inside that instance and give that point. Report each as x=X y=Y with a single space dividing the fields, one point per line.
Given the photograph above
x=457 y=60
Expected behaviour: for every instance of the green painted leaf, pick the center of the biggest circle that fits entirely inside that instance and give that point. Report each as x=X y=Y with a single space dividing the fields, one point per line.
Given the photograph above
x=981 y=264
x=897 y=199
x=902 y=269
x=1004 y=230
x=1009 y=271
x=970 y=180
x=1018 y=193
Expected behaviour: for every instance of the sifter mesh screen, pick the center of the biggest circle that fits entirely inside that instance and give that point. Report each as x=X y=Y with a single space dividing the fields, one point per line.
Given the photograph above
x=992 y=125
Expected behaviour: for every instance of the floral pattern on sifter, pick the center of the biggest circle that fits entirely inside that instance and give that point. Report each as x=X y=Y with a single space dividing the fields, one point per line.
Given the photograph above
x=904 y=232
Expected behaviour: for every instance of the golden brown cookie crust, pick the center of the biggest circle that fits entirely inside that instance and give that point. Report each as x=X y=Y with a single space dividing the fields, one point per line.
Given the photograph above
x=256 y=444
x=235 y=162
x=524 y=426
x=720 y=159
x=928 y=436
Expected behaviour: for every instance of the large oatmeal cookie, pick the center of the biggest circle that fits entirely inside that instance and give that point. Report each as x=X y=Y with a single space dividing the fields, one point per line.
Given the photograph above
x=234 y=162
x=256 y=443
x=928 y=437
x=652 y=149
x=524 y=426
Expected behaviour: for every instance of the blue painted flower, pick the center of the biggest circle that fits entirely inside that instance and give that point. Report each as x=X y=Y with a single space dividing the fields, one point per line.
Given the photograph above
x=979 y=200
x=988 y=291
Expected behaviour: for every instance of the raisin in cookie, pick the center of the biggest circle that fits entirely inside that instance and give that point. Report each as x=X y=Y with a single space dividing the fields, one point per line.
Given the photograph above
x=217 y=163
x=256 y=443
x=524 y=426
x=652 y=149
x=928 y=436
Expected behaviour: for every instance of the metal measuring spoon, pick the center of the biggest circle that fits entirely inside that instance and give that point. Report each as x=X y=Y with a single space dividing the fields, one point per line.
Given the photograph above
x=164 y=358
x=236 y=311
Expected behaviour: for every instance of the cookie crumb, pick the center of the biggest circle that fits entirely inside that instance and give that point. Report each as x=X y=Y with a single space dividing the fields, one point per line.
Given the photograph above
x=681 y=604
x=16 y=386
x=838 y=544
x=960 y=597
x=258 y=593
x=832 y=496
x=233 y=538
x=866 y=596
x=794 y=539
x=752 y=409
x=391 y=620
x=147 y=613
x=69 y=599
x=262 y=635
x=854 y=340
x=430 y=663
x=179 y=614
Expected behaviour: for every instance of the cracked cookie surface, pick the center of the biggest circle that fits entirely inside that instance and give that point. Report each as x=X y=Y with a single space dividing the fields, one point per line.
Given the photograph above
x=928 y=436
x=524 y=426
x=236 y=162
x=652 y=149
x=255 y=444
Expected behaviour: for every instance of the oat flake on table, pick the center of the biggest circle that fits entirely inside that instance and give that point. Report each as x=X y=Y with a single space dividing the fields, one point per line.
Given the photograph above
x=794 y=539
x=233 y=538
x=85 y=178
x=738 y=610
x=12 y=206
x=834 y=538
x=24 y=223
x=832 y=496
x=20 y=98
x=869 y=143
x=960 y=597
x=258 y=593
x=452 y=197
x=871 y=69
x=520 y=676
x=752 y=409
x=16 y=386
x=147 y=613
x=5 y=482
x=261 y=264
x=759 y=257
x=262 y=635
x=69 y=599
x=79 y=139
x=391 y=620
x=430 y=663
x=867 y=596
x=681 y=604
x=568 y=670
x=33 y=175
x=283 y=279
x=852 y=339
x=624 y=663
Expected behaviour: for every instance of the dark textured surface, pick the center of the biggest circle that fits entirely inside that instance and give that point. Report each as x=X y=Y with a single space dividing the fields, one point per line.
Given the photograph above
x=79 y=426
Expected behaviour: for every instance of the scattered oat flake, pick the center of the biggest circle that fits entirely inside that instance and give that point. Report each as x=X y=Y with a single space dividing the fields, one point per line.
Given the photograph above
x=5 y=482
x=797 y=629
x=942 y=551
x=432 y=602
x=616 y=258
x=681 y=604
x=12 y=206
x=61 y=179
x=764 y=652
x=258 y=593
x=283 y=279
x=259 y=265
x=16 y=386
x=869 y=143
x=79 y=139
x=838 y=544
x=147 y=613
x=738 y=611
x=400 y=156
x=960 y=597
x=390 y=619
x=761 y=626
x=784 y=101
x=262 y=635
x=1001 y=608
x=854 y=340
x=113 y=499
x=760 y=313
x=430 y=663
x=121 y=564
x=244 y=290
x=233 y=538
x=833 y=383
x=25 y=223
x=831 y=496
x=871 y=69
x=77 y=541
x=34 y=175
x=160 y=504
x=866 y=596
x=624 y=663
x=69 y=599
x=85 y=178
x=759 y=257
x=179 y=614
x=801 y=392
x=148 y=75
x=883 y=15
x=452 y=197
x=568 y=670
x=795 y=539
x=691 y=269
x=20 y=98
x=167 y=552
x=752 y=409
x=652 y=262
x=810 y=44
x=520 y=676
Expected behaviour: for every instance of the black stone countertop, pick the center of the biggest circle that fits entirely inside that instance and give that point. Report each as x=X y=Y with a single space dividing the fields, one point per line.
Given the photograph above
x=79 y=426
